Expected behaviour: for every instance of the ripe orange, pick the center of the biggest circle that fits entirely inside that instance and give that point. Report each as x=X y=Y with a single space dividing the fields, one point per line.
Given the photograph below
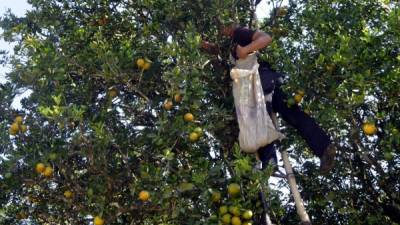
x=18 y=119
x=168 y=105
x=98 y=221
x=188 y=117
x=369 y=128
x=68 y=194
x=301 y=92
x=40 y=168
x=298 y=98
x=144 y=195
x=178 y=98
x=146 y=66
x=140 y=63
x=14 y=129
x=48 y=172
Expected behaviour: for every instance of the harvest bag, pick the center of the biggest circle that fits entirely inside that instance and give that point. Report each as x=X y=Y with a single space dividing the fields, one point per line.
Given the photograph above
x=256 y=127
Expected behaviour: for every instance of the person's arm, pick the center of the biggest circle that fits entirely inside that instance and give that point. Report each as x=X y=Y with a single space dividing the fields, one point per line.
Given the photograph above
x=259 y=40
x=210 y=48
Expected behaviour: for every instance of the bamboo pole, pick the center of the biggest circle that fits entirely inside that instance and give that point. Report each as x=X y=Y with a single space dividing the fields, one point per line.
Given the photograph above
x=301 y=211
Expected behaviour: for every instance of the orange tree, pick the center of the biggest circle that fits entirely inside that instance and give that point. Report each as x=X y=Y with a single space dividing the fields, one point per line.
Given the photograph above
x=106 y=136
x=345 y=57
x=128 y=121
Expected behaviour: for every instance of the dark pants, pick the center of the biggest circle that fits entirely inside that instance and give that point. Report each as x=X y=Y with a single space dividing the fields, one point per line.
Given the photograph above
x=306 y=126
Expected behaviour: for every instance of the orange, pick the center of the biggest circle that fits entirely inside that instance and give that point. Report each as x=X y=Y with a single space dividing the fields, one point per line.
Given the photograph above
x=188 y=117
x=168 y=105
x=193 y=137
x=146 y=66
x=18 y=119
x=215 y=196
x=236 y=221
x=234 y=210
x=68 y=194
x=177 y=98
x=226 y=219
x=369 y=128
x=247 y=214
x=40 y=168
x=144 y=195
x=140 y=63
x=98 y=221
x=14 y=129
x=233 y=189
x=301 y=93
x=298 y=98
x=223 y=210
x=48 y=172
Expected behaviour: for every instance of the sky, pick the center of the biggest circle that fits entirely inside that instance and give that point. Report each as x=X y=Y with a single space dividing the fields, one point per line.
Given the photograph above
x=18 y=7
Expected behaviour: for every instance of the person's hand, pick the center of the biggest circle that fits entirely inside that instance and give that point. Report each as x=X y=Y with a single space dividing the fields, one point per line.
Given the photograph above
x=241 y=52
x=205 y=45
x=209 y=47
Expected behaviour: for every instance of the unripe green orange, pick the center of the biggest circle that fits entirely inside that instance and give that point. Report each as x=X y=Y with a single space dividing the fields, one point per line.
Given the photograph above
x=226 y=219
x=193 y=137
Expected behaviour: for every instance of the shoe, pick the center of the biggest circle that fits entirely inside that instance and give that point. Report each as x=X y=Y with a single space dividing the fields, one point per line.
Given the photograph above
x=327 y=160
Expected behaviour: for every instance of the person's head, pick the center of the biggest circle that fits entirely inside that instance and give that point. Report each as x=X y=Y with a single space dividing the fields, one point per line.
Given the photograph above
x=226 y=29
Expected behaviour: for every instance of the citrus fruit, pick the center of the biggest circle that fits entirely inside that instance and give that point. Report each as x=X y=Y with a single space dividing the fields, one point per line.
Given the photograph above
x=188 y=117
x=144 y=195
x=369 y=128
x=140 y=63
x=233 y=189
x=40 y=168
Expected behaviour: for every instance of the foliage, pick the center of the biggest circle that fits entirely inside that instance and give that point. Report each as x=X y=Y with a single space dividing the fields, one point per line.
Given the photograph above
x=98 y=120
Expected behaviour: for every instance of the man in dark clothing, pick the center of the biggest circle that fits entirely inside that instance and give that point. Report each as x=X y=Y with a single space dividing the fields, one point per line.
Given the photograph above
x=246 y=41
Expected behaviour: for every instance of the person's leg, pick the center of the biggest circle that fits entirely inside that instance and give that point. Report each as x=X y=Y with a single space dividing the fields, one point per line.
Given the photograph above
x=267 y=154
x=315 y=137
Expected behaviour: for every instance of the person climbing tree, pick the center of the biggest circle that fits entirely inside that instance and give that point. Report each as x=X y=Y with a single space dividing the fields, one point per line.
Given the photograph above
x=245 y=41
